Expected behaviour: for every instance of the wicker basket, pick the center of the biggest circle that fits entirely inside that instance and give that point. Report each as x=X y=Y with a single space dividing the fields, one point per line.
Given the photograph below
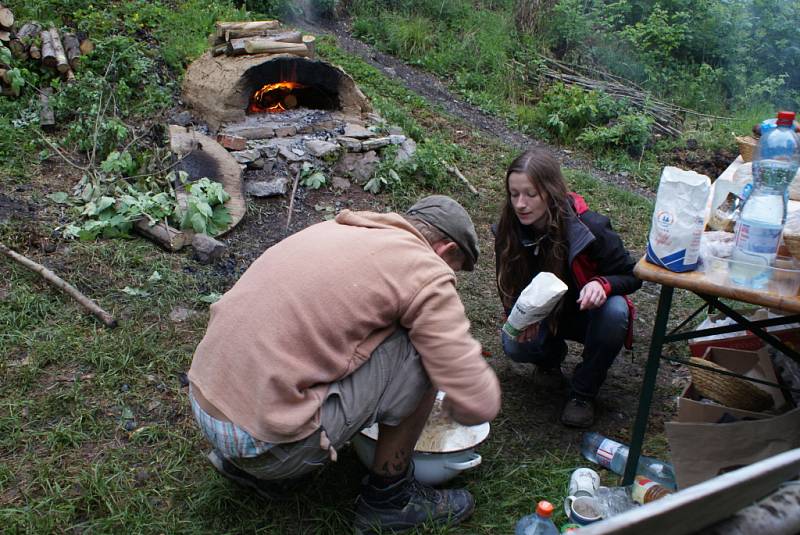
x=727 y=390
x=792 y=242
x=747 y=147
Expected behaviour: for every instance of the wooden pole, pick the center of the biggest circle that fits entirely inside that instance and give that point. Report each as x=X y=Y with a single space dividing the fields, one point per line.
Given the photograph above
x=62 y=285
x=47 y=119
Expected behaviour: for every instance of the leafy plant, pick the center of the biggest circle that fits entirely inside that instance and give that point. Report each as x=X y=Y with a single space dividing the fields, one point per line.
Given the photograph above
x=311 y=177
x=204 y=210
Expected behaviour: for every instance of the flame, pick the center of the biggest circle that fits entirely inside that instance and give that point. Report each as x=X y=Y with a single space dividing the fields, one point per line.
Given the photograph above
x=269 y=99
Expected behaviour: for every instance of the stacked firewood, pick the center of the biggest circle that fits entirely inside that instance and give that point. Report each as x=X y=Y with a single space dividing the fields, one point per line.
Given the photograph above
x=259 y=37
x=60 y=51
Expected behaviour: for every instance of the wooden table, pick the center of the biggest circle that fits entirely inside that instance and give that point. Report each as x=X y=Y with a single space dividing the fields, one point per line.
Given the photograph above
x=711 y=290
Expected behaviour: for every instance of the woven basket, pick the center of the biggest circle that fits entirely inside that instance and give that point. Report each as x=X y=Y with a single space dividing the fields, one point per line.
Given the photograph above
x=792 y=242
x=727 y=390
x=747 y=146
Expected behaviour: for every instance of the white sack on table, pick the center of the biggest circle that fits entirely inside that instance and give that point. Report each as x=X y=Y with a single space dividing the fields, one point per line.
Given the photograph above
x=678 y=219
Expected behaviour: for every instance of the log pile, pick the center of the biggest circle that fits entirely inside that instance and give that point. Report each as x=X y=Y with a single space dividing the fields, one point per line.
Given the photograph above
x=57 y=50
x=259 y=37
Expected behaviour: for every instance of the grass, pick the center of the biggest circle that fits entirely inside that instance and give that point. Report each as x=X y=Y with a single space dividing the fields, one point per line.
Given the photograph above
x=96 y=435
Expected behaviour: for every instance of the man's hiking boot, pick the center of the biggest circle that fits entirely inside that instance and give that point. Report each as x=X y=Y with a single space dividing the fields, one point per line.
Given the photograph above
x=408 y=504
x=271 y=490
x=578 y=412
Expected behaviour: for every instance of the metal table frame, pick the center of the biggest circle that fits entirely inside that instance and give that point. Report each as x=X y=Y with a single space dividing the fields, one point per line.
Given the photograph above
x=661 y=337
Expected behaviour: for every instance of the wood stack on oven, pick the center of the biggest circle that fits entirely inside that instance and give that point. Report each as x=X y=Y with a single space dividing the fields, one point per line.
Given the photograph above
x=259 y=37
x=57 y=50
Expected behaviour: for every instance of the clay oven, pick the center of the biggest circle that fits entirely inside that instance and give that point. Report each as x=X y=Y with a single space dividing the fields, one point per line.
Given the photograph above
x=226 y=90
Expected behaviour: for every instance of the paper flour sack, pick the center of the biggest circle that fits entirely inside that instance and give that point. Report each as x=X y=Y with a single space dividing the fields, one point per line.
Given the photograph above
x=535 y=302
x=678 y=219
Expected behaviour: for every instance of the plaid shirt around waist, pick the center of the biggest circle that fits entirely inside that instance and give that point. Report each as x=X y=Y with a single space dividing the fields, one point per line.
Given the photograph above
x=230 y=439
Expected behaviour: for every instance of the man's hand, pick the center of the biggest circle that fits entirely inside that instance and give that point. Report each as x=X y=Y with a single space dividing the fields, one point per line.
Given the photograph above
x=592 y=296
x=529 y=333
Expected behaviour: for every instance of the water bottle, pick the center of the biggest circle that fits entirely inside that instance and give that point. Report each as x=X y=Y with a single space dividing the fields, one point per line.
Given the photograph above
x=614 y=456
x=538 y=523
x=758 y=231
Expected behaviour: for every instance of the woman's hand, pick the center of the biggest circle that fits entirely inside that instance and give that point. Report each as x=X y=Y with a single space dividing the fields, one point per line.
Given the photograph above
x=592 y=296
x=529 y=333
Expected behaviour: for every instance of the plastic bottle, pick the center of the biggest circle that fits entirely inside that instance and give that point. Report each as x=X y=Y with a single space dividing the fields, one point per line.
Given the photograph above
x=538 y=523
x=759 y=228
x=614 y=456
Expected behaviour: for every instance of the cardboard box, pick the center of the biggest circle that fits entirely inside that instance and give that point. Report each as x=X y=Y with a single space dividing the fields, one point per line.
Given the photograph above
x=755 y=364
x=701 y=448
x=745 y=340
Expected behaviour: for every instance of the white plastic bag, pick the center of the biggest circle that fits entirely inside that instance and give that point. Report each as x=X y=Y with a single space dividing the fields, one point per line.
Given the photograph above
x=535 y=302
x=678 y=219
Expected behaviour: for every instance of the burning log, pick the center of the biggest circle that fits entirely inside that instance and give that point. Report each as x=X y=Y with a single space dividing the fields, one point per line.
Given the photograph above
x=62 y=65
x=268 y=46
x=48 y=52
x=72 y=47
x=232 y=30
x=47 y=118
x=23 y=41
x=6 y=17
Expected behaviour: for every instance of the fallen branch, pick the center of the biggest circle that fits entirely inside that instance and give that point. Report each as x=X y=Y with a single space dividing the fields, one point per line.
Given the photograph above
x=291 y=200
x=62 y=285
x=453 y=169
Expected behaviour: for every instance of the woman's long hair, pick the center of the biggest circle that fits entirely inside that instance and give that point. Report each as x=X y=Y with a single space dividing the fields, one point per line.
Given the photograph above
x=514 y=271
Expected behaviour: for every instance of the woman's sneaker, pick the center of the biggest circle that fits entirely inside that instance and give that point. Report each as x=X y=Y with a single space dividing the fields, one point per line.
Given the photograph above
x=408 y=504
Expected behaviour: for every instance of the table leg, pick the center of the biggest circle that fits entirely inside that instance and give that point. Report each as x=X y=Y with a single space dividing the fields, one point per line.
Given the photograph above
x=649 y=383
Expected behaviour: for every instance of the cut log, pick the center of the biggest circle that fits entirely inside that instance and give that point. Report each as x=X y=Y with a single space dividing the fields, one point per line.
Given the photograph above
x=236 y=47
x=48 y=53
x=310 y=42
x=87 y=46
x=164 y=235
x=5 y=36
x=72 y=48
x=47 y=119
x=6 y=17
x=231 y=30
x=62 y=65
x=218 y=50
x=22 y=42
x=69 y=76
x=268 y=46
x=35 y=52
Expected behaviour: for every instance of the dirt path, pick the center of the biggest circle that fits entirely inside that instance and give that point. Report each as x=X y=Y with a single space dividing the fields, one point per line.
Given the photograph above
x=434 y=91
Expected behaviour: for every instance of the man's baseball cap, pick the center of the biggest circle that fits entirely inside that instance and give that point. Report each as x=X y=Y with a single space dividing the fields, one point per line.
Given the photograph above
x=450 y=217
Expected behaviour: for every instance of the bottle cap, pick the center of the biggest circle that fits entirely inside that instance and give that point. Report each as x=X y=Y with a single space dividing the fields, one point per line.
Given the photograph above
x=544 y=508
x=785 y=118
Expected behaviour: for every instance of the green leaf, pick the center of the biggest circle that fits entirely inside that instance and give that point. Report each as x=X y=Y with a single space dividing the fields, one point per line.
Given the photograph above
x=155 y=277
x=136 y=292
x=198 y=223
x=59 y=197
x=211 y=298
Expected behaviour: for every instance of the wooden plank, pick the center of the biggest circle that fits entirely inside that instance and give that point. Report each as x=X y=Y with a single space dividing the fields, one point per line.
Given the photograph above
x=694 y=508
x=700 y=282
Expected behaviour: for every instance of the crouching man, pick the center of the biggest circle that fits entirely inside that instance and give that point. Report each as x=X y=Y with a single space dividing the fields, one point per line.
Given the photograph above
x=347 y=323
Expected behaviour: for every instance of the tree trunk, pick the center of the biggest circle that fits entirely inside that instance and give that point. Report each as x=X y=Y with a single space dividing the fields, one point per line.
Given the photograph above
x=48 y=53
x=47 y=119
x=268 y=46
x=72 y=48
x=6 y=17
x=232 y=30
x=62 y=65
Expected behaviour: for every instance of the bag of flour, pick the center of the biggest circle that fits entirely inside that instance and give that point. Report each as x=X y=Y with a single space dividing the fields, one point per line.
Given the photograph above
x=535 y=302
x=678 y=219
